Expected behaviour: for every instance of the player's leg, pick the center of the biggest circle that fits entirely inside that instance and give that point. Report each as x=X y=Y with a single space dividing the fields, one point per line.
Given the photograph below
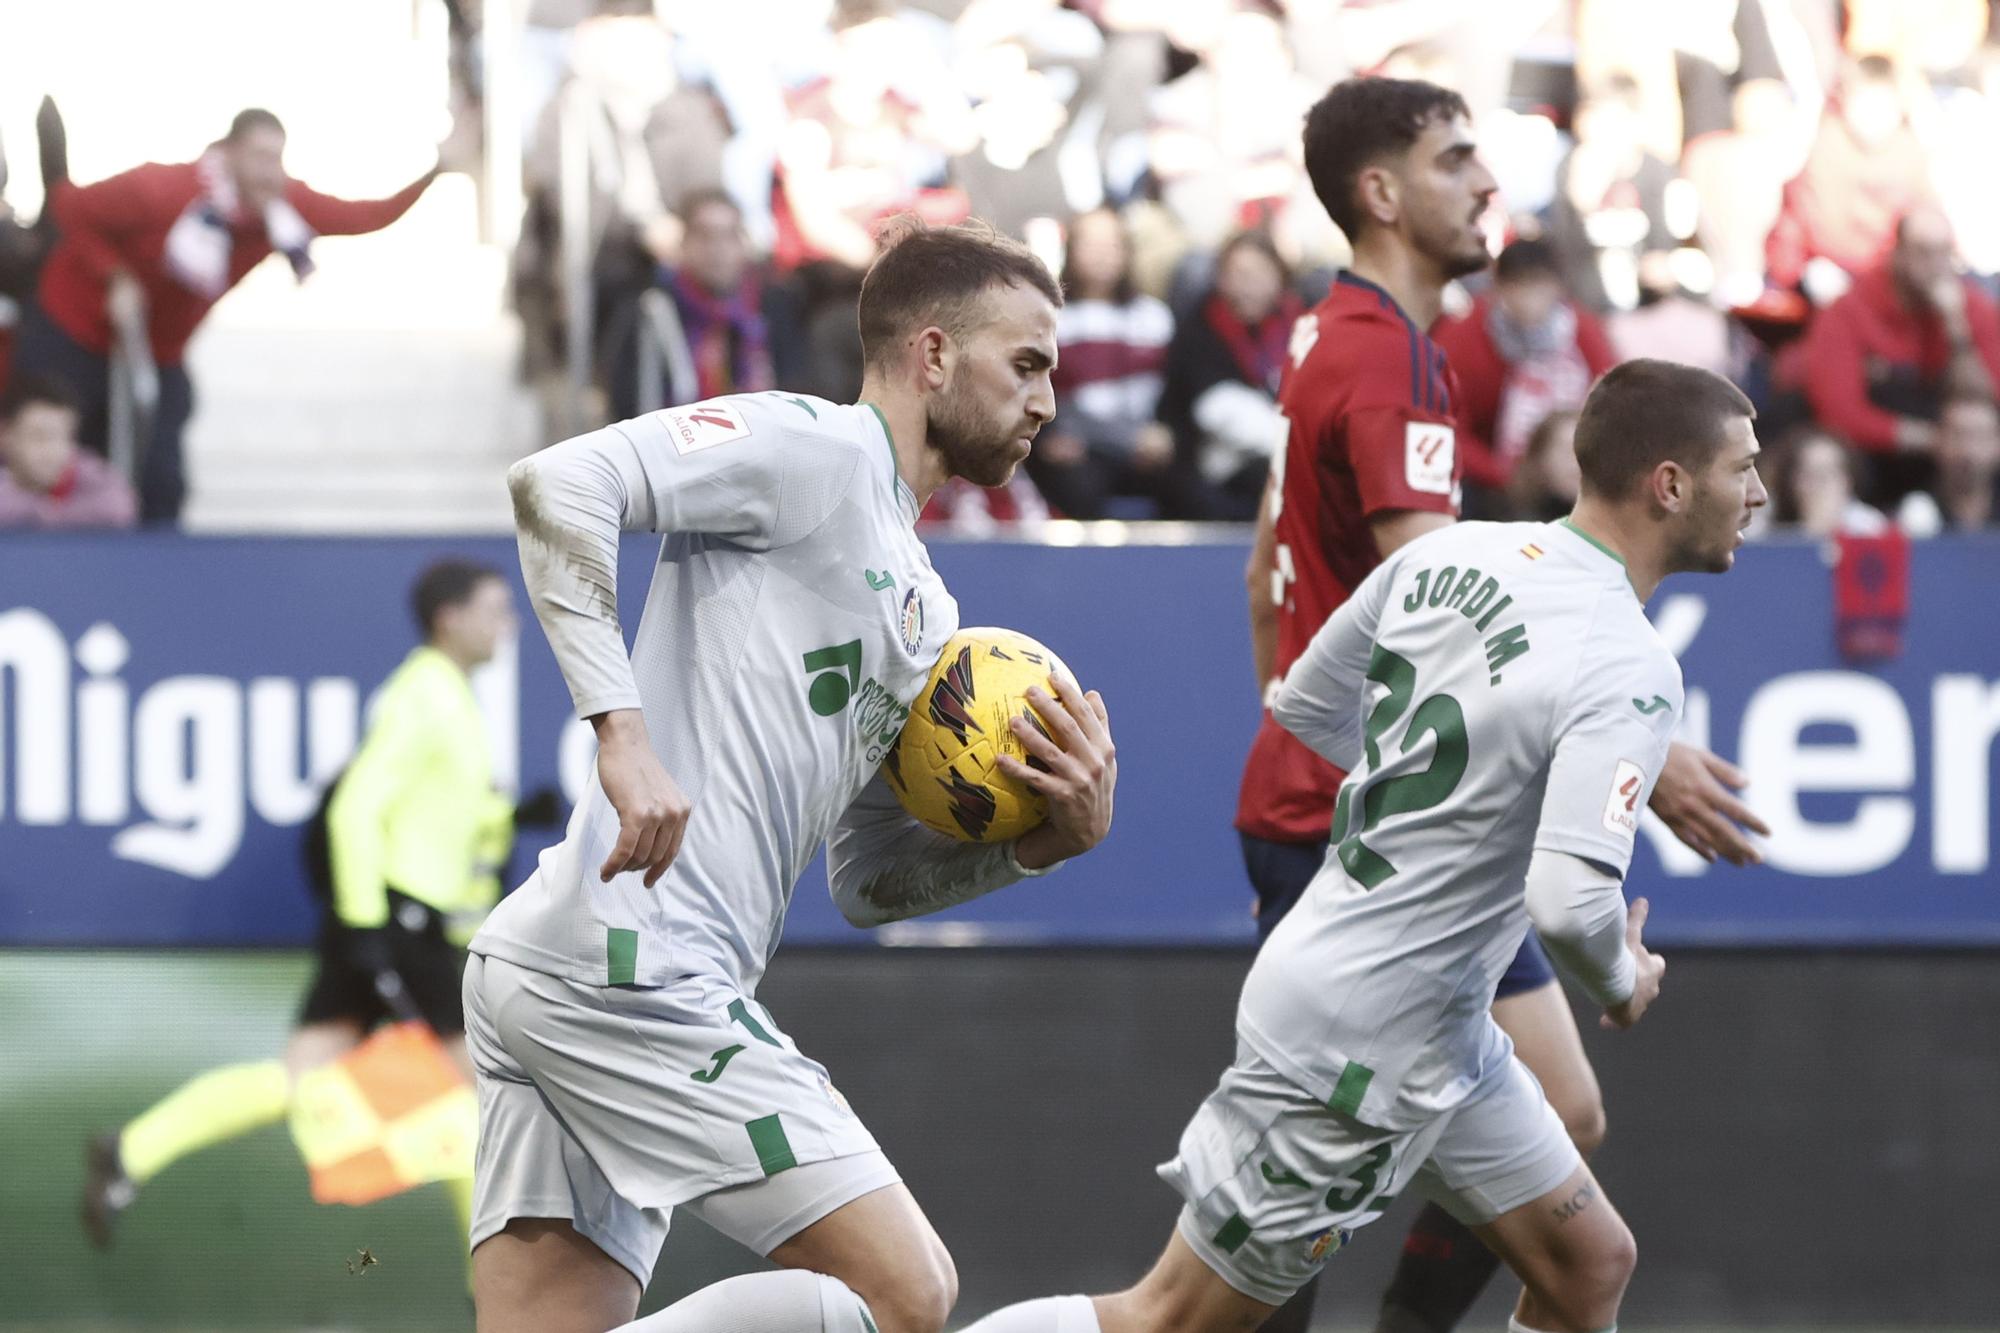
x=1573 y=1253
x=1275 y=1184
x=1280 y=873
x=847 y=1223
x=210 y=1108
x=1181 y=1292
x=432 y=970
x=712 y=1107
x=871 y=1264
x=541 y=1275
x=1506 y=1168
x=884 y=1248
x=224 y=1103
x=1444 y=1267
x=1530 y=1007
x=553 y=1246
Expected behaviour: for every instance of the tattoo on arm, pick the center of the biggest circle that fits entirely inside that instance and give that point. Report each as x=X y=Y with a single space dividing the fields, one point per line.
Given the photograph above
x=1576 y=1202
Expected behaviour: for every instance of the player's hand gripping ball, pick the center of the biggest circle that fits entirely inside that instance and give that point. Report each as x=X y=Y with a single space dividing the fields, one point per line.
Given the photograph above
x=943 y=767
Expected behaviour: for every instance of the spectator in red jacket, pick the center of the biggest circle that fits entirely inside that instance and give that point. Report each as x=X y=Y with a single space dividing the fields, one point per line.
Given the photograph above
x=1524 y=350
x=1867 y=168
x=156 y=247
x=1878 y=364
x=46 y=481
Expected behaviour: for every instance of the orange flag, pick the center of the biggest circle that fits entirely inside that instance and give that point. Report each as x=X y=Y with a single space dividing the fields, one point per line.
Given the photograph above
x=391 y=1114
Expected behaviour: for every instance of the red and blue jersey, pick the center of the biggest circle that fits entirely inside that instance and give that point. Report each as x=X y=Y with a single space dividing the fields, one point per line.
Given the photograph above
x=1370 y=401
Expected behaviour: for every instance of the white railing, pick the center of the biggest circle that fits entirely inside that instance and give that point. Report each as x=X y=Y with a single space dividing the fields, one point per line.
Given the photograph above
x=134 y=391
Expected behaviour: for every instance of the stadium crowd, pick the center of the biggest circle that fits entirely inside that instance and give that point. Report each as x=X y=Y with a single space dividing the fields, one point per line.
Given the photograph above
x=1790 y=192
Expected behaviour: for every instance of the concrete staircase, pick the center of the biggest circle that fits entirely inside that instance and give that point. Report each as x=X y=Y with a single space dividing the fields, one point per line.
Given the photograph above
x=380 y=396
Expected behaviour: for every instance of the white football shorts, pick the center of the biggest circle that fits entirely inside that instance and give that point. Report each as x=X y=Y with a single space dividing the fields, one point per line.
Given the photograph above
x=1276 y=1182
x=610 y=1106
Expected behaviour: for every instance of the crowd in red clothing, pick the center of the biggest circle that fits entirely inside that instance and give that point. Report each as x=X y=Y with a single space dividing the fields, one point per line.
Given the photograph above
x=1793 y=192
x=1703 y=183
x=145 y=254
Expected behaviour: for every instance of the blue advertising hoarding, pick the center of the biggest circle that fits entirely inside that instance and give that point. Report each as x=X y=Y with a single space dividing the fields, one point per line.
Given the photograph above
x=170 y=707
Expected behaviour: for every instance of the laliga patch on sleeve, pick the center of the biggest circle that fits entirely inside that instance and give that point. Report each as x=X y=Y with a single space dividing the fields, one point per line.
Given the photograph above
x=1429 y=449
x=703 y=426
x=1621 y=807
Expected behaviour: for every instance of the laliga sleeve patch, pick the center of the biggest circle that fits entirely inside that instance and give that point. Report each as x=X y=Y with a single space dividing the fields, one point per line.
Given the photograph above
x=1621 y=806
x=703 y=426
x=1429 y=450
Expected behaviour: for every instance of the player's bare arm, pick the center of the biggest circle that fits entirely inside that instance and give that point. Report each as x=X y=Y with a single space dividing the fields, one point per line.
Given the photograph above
x=652 y=812
x=1257 y=583
x=1082 y=771
x=1695 y=799
x=1398 y=528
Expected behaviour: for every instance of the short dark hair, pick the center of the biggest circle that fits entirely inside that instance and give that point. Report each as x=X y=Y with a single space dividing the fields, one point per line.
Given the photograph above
x=929 y=275
x=27 y=388
x=1643 y=413
x=249 y=120
x=445 y=583
x=1526 y=258
x=1361 y=121
x=707 y=196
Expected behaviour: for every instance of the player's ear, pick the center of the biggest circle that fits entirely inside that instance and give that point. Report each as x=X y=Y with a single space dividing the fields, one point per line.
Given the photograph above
x=1378 y=192
x=934 y=356
x=1671 y=485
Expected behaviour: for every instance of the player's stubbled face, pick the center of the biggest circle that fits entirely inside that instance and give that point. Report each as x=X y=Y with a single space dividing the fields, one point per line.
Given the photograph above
x=1446 y=188
x=1727 y=493
x=998 y=395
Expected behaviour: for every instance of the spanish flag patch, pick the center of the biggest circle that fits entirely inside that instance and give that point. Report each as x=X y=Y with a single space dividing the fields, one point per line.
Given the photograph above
x=1532 y=551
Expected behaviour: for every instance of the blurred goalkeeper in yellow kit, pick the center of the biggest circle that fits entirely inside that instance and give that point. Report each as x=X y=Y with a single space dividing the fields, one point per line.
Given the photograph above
x=404 y=856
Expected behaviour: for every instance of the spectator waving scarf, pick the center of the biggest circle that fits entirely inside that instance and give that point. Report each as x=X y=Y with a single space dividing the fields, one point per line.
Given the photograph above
x=200 y=240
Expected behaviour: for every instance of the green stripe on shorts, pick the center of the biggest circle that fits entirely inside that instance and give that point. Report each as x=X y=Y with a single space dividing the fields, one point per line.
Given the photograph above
x=740 y=1011
x=621 y=956
x=774 y=1150
x=1353 y=1086
x=1232 y=1235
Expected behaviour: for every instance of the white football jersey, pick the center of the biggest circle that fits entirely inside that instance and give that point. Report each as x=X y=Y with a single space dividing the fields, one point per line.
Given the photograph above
x=1491 y=689
x=792 y=618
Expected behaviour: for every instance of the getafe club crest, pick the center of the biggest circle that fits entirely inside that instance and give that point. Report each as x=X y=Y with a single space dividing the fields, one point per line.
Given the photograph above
x=913 y=621
x=1327 y=1242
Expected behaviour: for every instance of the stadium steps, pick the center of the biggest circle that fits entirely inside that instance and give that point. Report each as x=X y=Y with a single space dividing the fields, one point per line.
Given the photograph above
x=380 y=396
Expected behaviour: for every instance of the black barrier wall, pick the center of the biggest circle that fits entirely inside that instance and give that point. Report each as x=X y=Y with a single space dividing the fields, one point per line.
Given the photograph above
x=1795 y=1138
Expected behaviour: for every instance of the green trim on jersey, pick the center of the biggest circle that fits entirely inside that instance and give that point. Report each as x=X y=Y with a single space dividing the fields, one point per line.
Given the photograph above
x=1229 y=1239
x=1565 y=523
x=1351 y=1088
x=774 y=1150
x=896 y=483
x=621 y=956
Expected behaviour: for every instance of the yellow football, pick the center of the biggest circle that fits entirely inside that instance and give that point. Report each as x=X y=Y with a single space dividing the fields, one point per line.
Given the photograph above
x=944 y=766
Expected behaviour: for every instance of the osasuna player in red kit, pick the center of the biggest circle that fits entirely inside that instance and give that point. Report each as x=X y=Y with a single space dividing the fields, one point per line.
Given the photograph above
x=1371 y=464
